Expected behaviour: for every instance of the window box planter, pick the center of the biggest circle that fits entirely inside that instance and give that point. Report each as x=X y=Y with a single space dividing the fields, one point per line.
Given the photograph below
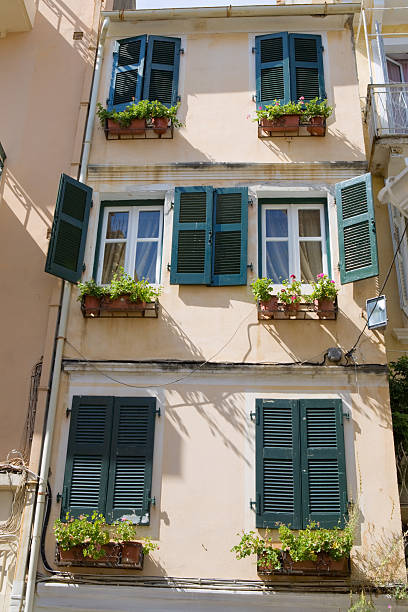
x=125 y=555
x=317 y=125
x=136 y=127
x=123 y=302
x=94 y=307
x=286 y=123
x=160 y=125
x=323 y=566
x=325 y=309
x=132 y=554
x=269 y=305
x=91 y=304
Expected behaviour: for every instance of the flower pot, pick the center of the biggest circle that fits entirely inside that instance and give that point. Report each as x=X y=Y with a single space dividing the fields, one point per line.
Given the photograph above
x=324 y=565
x=286 y=123
x=291 y=309
x=72 y=556
x=91 y=304
x=122 y=303
x=317 y=126
x=132 y=554
x=75 y=556
x=136 y=126
x=270 y=305
x=160 y=124
x=325 y=309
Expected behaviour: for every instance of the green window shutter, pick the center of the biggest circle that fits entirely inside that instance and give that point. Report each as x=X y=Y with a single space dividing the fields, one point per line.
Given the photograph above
x=230 y=237
x=87 y=465
x=192 y=234
x=272 y=69
x=127 y=72
x=278 y=492
x=130 y=472
x=324 y=485
x=65 y=256
x=306 y=66
x=162 y=70
x=356 y=227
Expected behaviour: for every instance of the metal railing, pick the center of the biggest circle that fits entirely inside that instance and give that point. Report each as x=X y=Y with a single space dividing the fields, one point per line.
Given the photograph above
x=387 y=110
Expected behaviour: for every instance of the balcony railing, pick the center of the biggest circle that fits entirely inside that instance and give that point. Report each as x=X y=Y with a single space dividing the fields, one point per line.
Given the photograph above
x=387 y=110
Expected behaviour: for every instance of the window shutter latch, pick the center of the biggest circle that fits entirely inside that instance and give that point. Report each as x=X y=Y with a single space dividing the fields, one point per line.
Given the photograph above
x=157 y=411
x=346 y=415
x=168 y=267
x=373 y=226
x=210 y=237
x=253 y=50
x=251 y=266
x=68 y=411
x=250 y=202
x=253 y=504
x=58 y=497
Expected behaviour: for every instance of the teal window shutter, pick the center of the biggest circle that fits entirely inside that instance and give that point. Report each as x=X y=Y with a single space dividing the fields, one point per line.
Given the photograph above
x=272 y=69
x=324 y=486
x=87 y=464
x=65 y=256
x=278 y=491
x=356 y=229
x=230 y=236
x=162 y=70
x=131 y=459
x=192 y=235
x=306 y=66
x=127 y=72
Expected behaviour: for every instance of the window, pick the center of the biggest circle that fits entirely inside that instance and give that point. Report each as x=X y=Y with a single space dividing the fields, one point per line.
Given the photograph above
x=300 y=463
x=293 y=240
x=209 y=236
x=109 y=458
x=131 y=238
x=288 y=66
x=144 y=68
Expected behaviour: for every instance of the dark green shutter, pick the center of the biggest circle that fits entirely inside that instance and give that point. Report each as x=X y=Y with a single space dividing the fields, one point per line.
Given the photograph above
x=87 y=465
x=131 y=458
x=162 y=70
x=230 y=236
x=192 y=235
x=324 y=486
x=356 y=226
x=277 y=463
x=306 y=66
x=65 y=256
x=127 y=72
x=272 y=69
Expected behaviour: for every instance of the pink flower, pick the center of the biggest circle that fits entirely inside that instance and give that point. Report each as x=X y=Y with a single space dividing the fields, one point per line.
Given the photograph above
x=332 y=282
x=320 y=275
x=302 y=98
x=292 y=297
x=292 y=276
x=283 y=290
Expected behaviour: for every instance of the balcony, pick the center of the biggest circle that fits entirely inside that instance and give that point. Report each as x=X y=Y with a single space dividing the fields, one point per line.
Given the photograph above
x=17 y=15
x=387 y=122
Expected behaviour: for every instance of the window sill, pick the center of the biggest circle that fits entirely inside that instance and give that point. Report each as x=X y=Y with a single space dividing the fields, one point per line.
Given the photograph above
x=323 y=566
x=94 y=308
x=278 y=128
x=138 y=131
x=125 y=555
x=301 y=311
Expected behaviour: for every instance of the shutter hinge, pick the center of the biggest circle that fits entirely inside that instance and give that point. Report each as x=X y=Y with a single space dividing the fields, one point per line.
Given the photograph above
x=251 y=266
x=171 y=205
x=58 y=497
x=210 y=237
x=322 y=48
x=373 y=226
x=91 y=203
x=254 y=98
x=83 y=267
x=252 y=416
x=168 y=267
x=346 y=415
x=68 y=412
x=178 y=98
x=338 y=266
x=157 y=411
x=250 y=202
x=181 y=52
x=253 y=50
x=150 y=500
x=253 y=504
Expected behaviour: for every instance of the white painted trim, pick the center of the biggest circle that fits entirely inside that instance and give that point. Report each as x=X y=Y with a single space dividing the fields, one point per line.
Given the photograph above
x=401 y=334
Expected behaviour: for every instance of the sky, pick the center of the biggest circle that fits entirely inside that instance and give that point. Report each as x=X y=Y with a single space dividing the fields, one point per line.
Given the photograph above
x=144 y=4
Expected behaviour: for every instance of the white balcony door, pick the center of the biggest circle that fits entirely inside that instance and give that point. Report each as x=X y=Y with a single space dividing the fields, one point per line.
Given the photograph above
x=398 y=98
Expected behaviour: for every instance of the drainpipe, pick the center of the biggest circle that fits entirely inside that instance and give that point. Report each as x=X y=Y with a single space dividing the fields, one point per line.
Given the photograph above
x=52 y=406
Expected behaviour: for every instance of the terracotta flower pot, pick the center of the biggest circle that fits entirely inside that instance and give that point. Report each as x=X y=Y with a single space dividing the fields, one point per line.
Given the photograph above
x=291 y=309
x=317 y=126
x=160 y=124
x=325 y=309
x=136 y=126
x=132 y=554
x=286 y=123
x=122 y=303
x=270 y=305
x=71 y=556
x=91 y=304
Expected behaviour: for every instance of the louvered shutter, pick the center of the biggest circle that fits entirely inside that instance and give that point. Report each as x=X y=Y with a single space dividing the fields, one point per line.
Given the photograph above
x=87 y=465
x=272 y=69
x=65 y=256
x=230 y=236
x=356 y=227
x=127 y=72
x=130 y=472
x=162 y=70
x=324 y=485
x=192 y=232
x=306 y=66
x=278 y=493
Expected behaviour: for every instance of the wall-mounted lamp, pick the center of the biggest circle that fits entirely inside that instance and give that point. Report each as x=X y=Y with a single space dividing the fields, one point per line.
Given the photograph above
x=376 y=312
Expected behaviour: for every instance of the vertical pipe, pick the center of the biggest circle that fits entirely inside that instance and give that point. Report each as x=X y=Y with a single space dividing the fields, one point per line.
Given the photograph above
x=370 y=70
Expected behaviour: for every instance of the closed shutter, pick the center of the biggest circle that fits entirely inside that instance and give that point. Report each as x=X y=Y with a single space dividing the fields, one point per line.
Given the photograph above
x=230 y=237
x=127 y=72
x=65 y=256
x=306 y=66
x=272 y=69
x=87 y=465
x=130 y=472
x=192 y=232
x=162 y=69
x=356 y=227
x=324 y=488
x=278 y=494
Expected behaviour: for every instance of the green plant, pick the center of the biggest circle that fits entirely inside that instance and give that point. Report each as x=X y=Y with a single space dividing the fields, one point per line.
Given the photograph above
x=362 y=604
x=398 y=381
x=400 y=592
x=277 y=110
x=291 y=291
x=141 y=110
x=84 y=530
x=158 y=109
x=316 y=108
x=125 y=531
x=253 y=544
x=91 y=288
x=262 y=288
x=124 y=284
x=324 y=288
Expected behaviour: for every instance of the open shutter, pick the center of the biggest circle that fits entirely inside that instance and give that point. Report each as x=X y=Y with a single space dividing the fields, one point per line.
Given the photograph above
x=127 y=72
x=130 y=472
x=324 y=485
x=162 y=70
x=192 y=235
x=87 y=465
x=230 y=237
x=356 y=225
x=306 y=66
x=272 y=69
x=277 y=463
x=68 y=236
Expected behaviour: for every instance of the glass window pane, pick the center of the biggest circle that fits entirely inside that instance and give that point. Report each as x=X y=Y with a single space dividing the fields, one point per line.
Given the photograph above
x=309 y=223
x=146 y=258
x=276 y=223
x=117 y=226
x=113 y=259
x=277 y=261
x=310 y=260
x=149 y=224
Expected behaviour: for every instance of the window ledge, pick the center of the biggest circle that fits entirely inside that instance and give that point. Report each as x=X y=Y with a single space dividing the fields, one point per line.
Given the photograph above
x=121 y=308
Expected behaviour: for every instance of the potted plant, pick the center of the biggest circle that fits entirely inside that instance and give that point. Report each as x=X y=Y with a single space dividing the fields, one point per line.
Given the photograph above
x=125 y=293
x=90 y=295
x=279 y=117
x=290 y=294
x=315 y=113
x=324 y=294
x=132 y=551
x=160 y=115
x=262 y=289
x=132 y=120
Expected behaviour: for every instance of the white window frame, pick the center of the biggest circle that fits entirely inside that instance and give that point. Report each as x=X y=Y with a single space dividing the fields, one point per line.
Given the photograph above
x=132 y=239
x=293 y=237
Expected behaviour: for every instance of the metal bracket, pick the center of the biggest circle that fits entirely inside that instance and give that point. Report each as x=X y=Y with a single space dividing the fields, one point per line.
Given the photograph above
x=250 y=202
x=68 y=412
x=254 y=98
x=253 y=50
x=373 y=227
x=157 y=411
x=252 y=416
x=168 y=267
x=151 y=500
x=58 y=498
x=83 y=267
x=250 y=266
x=346 y=415
x=181 y=51
x=171 y=205
x=91 y=203
x=253 y=504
